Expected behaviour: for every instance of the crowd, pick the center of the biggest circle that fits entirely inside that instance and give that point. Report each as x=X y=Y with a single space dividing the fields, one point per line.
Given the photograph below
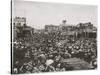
x=47 y=53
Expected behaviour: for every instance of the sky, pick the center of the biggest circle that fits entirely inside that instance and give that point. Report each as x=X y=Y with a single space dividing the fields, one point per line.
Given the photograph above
x=39 y=14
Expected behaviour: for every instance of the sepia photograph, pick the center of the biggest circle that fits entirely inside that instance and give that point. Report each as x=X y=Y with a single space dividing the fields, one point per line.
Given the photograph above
x=52 y=37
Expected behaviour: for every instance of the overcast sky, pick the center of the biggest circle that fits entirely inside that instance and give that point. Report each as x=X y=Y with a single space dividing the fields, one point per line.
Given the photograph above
x=39 y=13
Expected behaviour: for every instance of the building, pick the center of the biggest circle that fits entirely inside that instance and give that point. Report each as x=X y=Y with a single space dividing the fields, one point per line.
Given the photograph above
x=51 y=28
x=20 y=28
x=19 y=21
x=86 y=30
